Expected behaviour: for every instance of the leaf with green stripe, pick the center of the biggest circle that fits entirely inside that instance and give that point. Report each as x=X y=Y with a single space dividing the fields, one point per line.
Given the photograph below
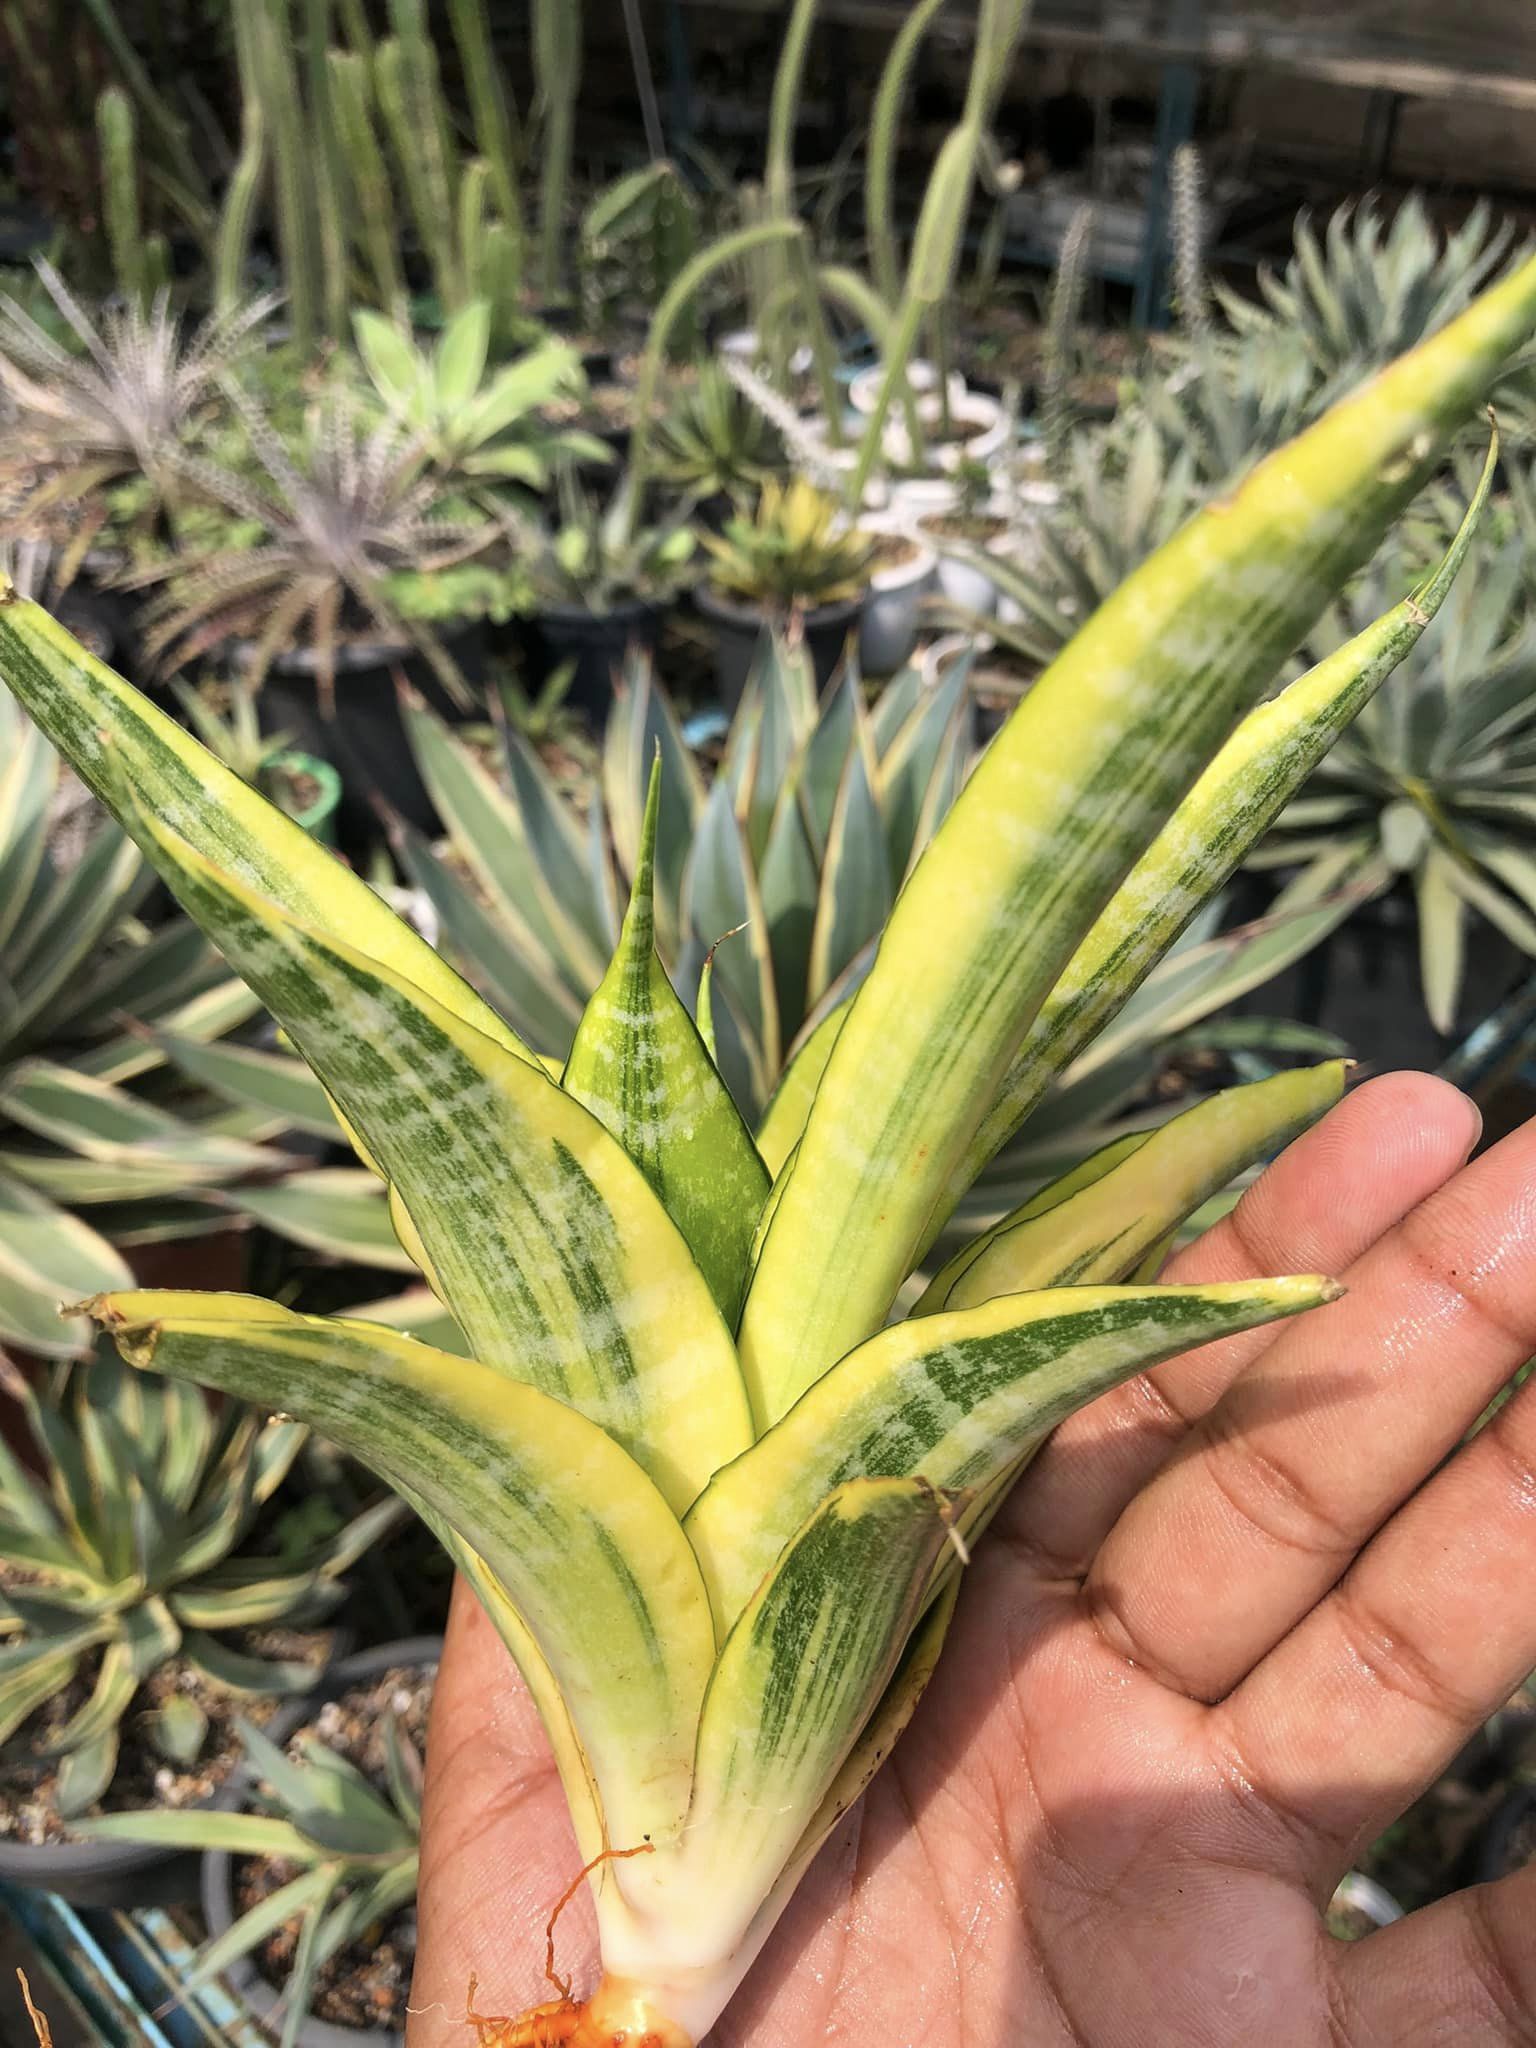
x=542 y=1236
x=1068 y=796
x=490 y=835
x=140 y=762
x=544 y=1497
x=856 y=887
x=1114 y=1210
x=1230 y=808
x=100 y=1122
x=640 y=1066
x=798 y=1677
x=957 y=1397
x=721 y=896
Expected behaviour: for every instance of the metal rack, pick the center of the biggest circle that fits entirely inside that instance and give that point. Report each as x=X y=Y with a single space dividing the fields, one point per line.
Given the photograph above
x=1188 y=38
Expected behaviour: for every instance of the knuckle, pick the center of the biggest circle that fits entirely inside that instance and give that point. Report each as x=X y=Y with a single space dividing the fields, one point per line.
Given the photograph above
x=1285 y=1508
x=1398 y=1666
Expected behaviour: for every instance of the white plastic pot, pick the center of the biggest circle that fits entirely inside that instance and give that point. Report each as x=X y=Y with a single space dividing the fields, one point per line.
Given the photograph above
x=965 y=583
x=993 y=426
x=922 y=377
x=892 y=616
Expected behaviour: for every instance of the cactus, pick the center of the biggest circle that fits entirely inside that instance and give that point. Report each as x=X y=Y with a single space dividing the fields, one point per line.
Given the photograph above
x=1191 y=296
x=557 y=26
x=237 y=216
x=329 y=189
x=159 y=115
x=116 y=135
x=884 y=133
x=496 y=137
x=268 y=78
x=368 y=179
x=411 y=98
x=1060 y=326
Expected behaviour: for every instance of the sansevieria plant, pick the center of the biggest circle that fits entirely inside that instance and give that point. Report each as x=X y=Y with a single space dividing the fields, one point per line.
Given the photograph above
x=715 y=1502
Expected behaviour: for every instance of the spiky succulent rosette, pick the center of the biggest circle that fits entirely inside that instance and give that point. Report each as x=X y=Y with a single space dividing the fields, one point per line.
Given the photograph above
x=705 y=1488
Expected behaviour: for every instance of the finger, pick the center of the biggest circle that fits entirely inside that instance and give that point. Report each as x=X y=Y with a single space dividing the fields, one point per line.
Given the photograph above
x=1326 y=1434
x=1366 y=1702
x=497 y=1848
x=1381 y=1151
x=1461 y=1970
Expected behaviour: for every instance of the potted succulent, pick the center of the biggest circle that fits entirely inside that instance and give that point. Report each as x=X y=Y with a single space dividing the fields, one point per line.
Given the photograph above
x=481 y=429
x=299 y=575
x=310 y=1860
x=796 y=557
x=731 y=1583
x=714 y=446
x=600 y=583
x=138 y=1612
x=225 y=718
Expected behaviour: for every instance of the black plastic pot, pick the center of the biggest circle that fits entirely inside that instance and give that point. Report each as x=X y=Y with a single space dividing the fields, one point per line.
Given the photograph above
x=364 y=736
x=739 y=630
x=595 y=641
x=218 y=1872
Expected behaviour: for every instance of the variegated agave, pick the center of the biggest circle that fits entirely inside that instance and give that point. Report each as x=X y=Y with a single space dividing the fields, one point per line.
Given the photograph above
x=122 y=407
x=704 y=1488
x=133 y=1554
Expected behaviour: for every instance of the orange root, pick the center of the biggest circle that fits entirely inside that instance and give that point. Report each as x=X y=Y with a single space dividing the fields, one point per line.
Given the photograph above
x=40 y=2025
x=562 y=2023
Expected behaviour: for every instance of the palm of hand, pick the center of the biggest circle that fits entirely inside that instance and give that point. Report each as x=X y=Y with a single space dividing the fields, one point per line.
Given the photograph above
x=1187 y=1678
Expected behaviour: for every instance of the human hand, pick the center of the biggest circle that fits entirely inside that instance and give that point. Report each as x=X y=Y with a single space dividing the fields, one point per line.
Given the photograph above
x=1232 y=1622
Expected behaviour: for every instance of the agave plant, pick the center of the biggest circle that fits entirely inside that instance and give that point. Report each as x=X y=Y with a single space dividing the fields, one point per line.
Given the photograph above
x=312 y=547
x=353 y=1850
x=1435 y=784
x=704 y=1487
x=131 y=1553
x=476 y=430
x=128 y=1112
x=714 y=442
x=1363 y=291
x=119 y=407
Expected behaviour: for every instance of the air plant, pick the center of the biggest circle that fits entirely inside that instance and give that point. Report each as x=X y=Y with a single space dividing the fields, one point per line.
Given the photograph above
x=324 y=527
x=125 y=404
x=703 y=1485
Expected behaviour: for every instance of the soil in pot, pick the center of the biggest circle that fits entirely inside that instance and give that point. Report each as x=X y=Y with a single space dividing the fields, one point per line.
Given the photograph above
x=368 y=1983
x=981 y=529
x=29 y=1816
x=1510 y=1841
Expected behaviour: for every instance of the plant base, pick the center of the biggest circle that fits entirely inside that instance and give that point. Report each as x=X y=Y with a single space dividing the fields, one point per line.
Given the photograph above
x=617 y=2015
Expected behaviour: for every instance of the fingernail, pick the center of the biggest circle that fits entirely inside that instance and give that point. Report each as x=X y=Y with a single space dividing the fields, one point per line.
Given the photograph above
x=1475 y=1117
